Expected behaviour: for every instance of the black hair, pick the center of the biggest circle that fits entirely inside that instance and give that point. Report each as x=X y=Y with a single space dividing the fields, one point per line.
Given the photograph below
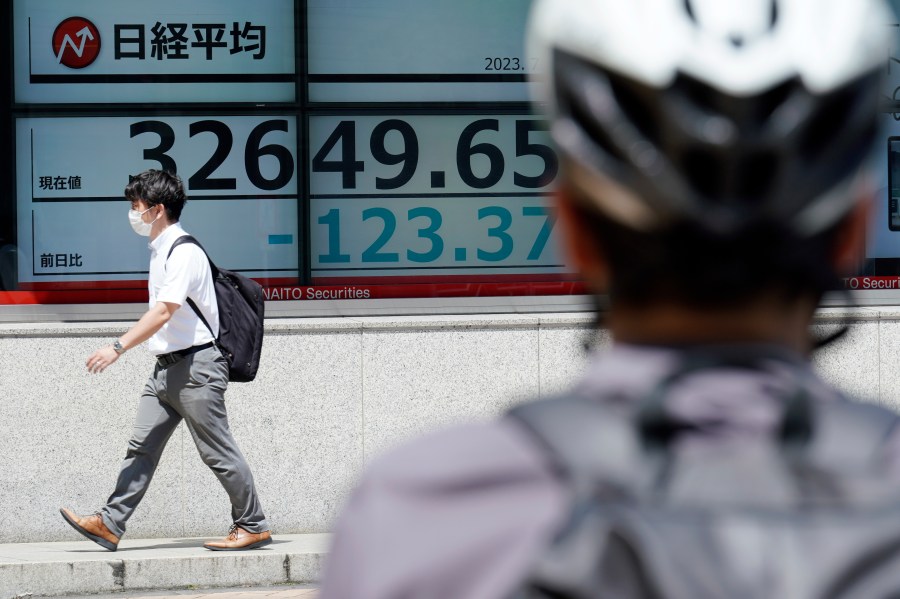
x=158 y=187
x=696 y=268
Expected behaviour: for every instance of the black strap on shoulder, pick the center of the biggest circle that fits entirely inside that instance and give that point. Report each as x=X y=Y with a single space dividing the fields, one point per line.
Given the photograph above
x=212 y=267
x=658 y=427
x=851 y=434
x=193 y=240
x=586 y=440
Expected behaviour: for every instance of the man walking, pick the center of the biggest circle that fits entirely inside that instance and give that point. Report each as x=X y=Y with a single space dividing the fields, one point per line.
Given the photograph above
x=188 y=381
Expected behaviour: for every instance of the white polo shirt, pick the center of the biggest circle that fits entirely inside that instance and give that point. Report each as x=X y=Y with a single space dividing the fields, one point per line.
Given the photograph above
x=185 y=274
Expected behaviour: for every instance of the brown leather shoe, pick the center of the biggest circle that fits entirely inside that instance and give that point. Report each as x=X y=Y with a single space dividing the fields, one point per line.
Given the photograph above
x=238 y=539
x=92 y=527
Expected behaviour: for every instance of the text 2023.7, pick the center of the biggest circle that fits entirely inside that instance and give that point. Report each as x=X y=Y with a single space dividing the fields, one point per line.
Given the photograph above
x=508 y=63
x=502 y=64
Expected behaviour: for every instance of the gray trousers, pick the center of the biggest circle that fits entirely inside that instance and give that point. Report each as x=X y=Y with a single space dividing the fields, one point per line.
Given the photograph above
x=192 y=389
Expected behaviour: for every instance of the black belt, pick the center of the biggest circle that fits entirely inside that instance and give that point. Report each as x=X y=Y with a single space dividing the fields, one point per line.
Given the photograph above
x=172 y=357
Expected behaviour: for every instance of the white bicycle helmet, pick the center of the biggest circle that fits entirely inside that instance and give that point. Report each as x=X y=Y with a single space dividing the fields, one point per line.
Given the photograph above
x=716 y=112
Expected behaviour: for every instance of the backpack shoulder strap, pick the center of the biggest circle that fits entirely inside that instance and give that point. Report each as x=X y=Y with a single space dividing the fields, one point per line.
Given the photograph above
x=181 y=240
x=851 y=434
x=191 y=239
x=212 y=267
x=587 y=440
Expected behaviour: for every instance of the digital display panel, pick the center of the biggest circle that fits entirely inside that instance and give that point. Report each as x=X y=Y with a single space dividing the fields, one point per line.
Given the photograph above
x=72 y=217
x=331 y=149
x=414 y=51
x=101 y=51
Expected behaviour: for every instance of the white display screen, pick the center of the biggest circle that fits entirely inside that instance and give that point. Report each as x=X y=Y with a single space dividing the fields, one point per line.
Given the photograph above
x=239 y=172
x=414 y=51
x=101 y=51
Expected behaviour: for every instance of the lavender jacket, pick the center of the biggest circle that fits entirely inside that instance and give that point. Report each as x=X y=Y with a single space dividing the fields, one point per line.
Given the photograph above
x=464 y=512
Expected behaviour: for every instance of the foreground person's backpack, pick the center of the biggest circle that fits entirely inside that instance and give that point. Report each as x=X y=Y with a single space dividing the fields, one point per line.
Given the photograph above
x=241 y=311
x=813 y=512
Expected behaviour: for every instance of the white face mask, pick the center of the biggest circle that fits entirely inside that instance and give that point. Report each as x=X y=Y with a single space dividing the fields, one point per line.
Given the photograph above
x=138 y=224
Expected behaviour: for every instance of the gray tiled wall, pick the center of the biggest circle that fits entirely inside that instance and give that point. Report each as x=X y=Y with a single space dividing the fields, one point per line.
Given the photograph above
x=331 y=394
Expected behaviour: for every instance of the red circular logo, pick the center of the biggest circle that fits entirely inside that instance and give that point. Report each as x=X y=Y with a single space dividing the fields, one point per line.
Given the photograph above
x=76 y=42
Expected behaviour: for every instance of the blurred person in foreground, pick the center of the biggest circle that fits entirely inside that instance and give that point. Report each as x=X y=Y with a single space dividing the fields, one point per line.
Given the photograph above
x=715 y=183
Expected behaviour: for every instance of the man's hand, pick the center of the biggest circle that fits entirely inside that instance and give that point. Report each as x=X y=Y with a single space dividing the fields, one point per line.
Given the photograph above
x=152 y=320
x=101 y=358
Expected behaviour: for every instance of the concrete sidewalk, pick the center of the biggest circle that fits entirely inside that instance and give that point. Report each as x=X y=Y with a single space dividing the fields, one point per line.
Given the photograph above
x=283 y=591
x=82 y=567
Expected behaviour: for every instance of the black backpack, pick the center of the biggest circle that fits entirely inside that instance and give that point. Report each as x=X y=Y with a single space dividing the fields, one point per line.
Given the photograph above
x=241 y=311
x=813 y=512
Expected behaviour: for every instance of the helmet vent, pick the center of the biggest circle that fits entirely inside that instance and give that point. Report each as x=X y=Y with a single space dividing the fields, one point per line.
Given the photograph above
x=633 y=99
x=689 y=10
x=767 y=103
x=755 y=175
x=588 y=123
x=728 y=178
x=698 y=95
x=827 y=121
x=738 y=41
x=746 y=114
x=704 y=171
